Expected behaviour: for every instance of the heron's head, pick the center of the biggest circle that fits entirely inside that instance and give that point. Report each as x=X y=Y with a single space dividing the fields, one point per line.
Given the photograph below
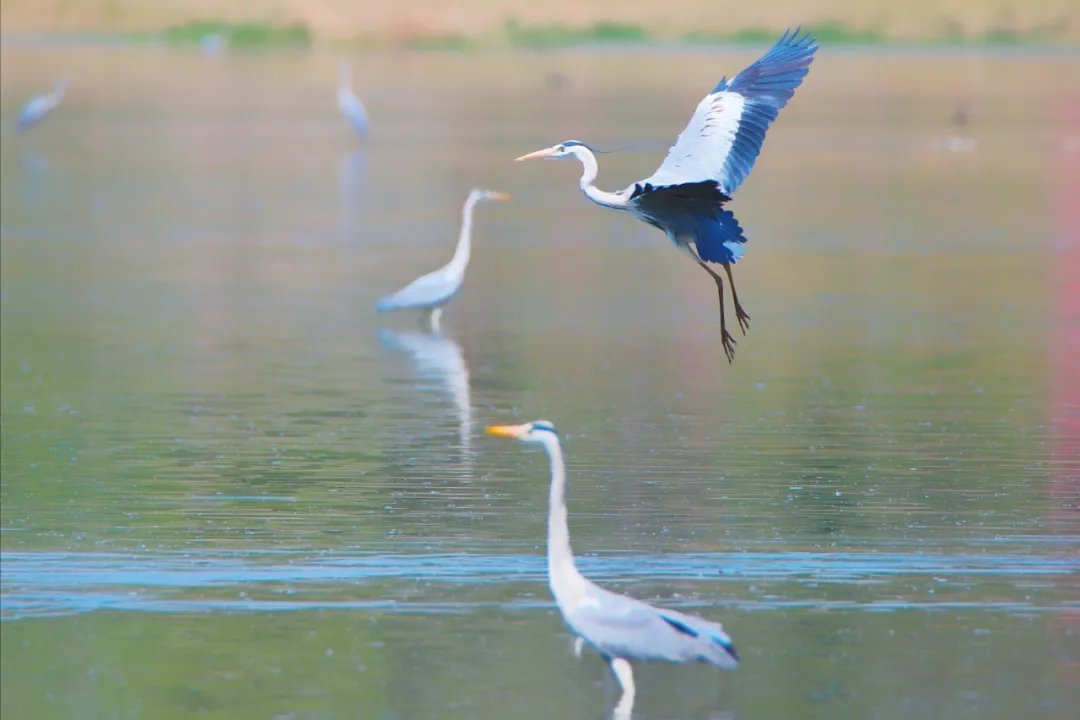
x=537 y=431
x=484 y=194
x=568 y=148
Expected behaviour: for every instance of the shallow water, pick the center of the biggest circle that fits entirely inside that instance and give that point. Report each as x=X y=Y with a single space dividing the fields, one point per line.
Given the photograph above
x=231 y=490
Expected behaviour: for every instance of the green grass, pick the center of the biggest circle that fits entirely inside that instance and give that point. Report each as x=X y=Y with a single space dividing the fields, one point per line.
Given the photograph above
x=829 y=33
x=240 y=34
x=836 y=33
x=752 y=35
x=442 y=42
x=1004 y=36
x=560 y=36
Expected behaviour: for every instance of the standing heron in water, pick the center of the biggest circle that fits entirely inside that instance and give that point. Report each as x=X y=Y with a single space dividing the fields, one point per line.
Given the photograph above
x=432 y=291
x=685 y=197
x=350 y=106
x=40 y=106
x=620 y=628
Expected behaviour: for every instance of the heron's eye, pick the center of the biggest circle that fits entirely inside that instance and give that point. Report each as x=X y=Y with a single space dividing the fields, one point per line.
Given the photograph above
x=561 y=148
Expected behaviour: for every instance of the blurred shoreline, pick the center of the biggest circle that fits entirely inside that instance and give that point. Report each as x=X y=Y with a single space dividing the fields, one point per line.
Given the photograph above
x=431 y=24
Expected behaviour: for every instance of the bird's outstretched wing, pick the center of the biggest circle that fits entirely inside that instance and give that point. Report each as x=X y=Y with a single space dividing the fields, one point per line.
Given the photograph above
x=725 y=134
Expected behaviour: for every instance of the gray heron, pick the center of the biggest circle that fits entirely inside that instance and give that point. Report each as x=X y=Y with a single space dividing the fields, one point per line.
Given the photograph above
x=34 y=111
x=350 y=106
x=620 y=628
x=713 y=155
x=432 y=291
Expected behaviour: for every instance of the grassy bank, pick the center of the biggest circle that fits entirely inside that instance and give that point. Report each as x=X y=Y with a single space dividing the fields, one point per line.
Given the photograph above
x=466 y=24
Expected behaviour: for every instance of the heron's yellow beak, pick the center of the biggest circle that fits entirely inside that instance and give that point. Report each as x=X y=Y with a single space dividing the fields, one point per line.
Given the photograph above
x=546 y=152
x=499 y=196
x=510 y=431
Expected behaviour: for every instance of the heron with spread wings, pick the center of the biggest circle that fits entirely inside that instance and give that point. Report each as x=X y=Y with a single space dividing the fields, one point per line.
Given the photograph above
x=712 y=157
x=618 y=627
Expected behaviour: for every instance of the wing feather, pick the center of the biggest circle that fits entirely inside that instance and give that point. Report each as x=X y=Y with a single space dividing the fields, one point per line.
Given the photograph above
x=725 y=134
x=426 y=291
x=619 y=626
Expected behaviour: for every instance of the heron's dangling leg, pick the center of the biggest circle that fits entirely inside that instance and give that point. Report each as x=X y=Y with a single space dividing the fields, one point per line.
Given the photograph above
x=740 y=314
x=725 y=337
x=433 y=320
x=625 y=676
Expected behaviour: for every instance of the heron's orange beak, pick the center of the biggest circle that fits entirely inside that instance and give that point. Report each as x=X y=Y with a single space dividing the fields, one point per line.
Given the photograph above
x=509 y=431
x=546 y=152
x=500 y=196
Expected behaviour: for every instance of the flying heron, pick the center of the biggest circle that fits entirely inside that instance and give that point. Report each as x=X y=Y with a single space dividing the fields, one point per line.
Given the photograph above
x=685 y=197
x=620 y=628
x=432 y=291
x=350 y=106
x=38 y=107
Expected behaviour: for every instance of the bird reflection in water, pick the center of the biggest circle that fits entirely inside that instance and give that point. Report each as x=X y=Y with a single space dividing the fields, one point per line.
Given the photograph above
x=439 y=359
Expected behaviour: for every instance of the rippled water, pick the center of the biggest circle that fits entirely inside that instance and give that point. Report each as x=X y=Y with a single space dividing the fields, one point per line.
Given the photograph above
x=230 y=490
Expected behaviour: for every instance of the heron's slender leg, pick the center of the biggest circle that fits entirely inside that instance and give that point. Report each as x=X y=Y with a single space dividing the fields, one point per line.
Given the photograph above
x=625 y=676
x=740 y=314
x=434 y=315
x=579 y=643
x=725 y=337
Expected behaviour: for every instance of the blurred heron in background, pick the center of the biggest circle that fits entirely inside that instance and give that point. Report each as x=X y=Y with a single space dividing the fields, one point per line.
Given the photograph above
x=350 y=106
x=685 y=197
x=620 y=628
x=432 y=291
x=40 y=106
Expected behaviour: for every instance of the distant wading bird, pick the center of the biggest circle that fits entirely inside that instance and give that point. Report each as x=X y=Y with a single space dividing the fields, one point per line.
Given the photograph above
x=350 y=106
x=37 y=108
x=708 y=162
x=620 y=628
x=432 y=291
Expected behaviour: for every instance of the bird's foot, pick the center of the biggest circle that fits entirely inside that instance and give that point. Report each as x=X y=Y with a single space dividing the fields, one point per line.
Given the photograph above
x=743 y=317
x=728 y=341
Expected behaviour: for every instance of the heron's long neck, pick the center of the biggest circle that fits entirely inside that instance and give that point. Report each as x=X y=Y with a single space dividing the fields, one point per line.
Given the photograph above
x=562 y=572
x=589 y=169
x=463 y=250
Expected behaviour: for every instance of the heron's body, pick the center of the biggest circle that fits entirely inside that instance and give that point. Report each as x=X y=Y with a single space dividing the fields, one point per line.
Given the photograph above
x=38 y=108
x=349 y=104
x=712 y=156
x=618 y=627
x=433 y=290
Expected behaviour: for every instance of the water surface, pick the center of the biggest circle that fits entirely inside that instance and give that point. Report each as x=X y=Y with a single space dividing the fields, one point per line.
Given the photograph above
x=231 y=490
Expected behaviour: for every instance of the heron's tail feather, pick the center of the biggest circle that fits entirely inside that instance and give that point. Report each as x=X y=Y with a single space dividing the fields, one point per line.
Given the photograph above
x=710 y=643
x=719 y=239
x=386 y=304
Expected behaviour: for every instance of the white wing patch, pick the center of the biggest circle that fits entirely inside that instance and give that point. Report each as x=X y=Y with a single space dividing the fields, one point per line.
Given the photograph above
x=703 y=146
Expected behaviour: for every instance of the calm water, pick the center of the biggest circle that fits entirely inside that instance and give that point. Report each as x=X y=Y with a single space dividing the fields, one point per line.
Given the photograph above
x=231 y=491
